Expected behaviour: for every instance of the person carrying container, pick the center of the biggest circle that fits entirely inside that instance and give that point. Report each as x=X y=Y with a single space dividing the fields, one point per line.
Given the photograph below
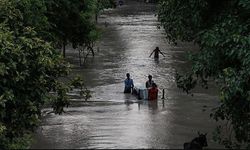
x=129 y=84
x=153 y=92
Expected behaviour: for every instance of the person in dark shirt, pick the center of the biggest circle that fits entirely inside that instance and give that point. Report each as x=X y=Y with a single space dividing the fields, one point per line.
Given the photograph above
x=150 y=82
x=156 y=51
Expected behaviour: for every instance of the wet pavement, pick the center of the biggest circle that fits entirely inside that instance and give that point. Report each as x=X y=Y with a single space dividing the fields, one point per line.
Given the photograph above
x=112 y=119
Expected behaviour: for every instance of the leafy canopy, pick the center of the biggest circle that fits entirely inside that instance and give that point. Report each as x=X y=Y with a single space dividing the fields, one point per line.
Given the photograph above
x=221 y=29
x=71 y=21
x=31 y=69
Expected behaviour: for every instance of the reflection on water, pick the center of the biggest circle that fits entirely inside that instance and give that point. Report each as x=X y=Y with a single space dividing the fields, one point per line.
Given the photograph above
x=113 y=119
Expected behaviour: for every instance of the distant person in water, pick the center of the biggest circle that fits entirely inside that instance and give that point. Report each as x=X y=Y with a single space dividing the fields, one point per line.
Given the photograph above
x=120 y=2
x=129 y=84
x=156 y=51
x=150 y=82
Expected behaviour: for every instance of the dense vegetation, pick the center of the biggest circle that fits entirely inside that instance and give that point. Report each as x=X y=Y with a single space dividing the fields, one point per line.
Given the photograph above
x=31 y=67
x=221 y=29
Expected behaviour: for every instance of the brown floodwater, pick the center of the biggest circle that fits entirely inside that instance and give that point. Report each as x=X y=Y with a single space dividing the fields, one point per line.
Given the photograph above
x=112 y=119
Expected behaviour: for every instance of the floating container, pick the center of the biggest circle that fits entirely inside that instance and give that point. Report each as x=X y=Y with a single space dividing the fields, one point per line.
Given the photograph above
x=141 y=93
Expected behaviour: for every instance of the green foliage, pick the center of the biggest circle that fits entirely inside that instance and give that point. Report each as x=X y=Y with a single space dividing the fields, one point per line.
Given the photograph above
x=186 y=83
x=77 y=82
x=173 y=16
x=102 y=4
x=17 y=14
x=10 y=16
x=2 y=129
x=221 y=29
x=33 y=15
x=71 y=21
x=30 y=68
x=21 y=143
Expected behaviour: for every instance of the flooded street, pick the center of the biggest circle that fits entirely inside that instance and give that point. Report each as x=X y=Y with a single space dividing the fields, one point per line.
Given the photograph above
x=113 y=119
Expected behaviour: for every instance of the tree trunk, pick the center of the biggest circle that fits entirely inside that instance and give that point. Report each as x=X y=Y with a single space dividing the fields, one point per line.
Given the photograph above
x=92 y=51
x=91 y=48
x=64 y=49
x=96 y=17
x=80 y=58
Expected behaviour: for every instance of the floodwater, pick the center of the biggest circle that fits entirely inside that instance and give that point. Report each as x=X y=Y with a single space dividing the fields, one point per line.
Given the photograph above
x=112 y=119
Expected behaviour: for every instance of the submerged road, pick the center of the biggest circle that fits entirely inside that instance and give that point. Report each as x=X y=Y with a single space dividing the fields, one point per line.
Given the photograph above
x=119 y=120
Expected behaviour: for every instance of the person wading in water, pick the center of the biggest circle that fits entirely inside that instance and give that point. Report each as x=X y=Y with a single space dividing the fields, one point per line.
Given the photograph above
x=150 y=82
x=156 y=51
x=153 y=92
x=129 y=84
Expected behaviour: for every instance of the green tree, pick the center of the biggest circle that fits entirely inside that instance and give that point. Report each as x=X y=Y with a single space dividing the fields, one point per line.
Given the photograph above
x=33 y=15
x=31 y=71
x=103 y=4
x=25 y=13
x=221 y=29
x=71 y=21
